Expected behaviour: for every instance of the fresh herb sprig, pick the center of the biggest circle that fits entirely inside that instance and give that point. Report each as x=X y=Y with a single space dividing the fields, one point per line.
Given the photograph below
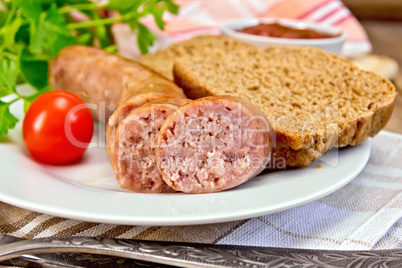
x=33 y=31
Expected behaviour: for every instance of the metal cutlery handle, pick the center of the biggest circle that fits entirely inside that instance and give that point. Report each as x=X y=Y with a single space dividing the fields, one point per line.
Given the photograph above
x=202 y=255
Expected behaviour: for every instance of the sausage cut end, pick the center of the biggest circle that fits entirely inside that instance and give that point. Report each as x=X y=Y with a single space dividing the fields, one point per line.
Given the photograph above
x=213 y=144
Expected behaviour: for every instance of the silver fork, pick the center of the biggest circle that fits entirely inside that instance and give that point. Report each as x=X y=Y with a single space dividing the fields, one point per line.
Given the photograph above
x=198 y=255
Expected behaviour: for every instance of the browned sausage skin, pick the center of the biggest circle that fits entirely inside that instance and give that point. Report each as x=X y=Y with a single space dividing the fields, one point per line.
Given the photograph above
x=132 y=152
x=211 y=133
x=103 y=78
x=124 y=109
x=213 y=144
x=100 y=77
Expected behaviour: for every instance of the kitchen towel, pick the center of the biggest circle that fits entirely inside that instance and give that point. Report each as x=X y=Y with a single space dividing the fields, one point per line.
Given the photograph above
x=204 y=17
x=364 y=214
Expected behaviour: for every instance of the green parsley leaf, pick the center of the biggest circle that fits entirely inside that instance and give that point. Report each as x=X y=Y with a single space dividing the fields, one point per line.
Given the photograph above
x=62 y=3
x=52 y=33
x=9 y=33
x=7 y=119
x=8 y=76
x=102 y=33
x=172 y=7
x=31 y=9
x=33 y=69
x=34 y=31
x=23 y=35
x=72 y=2
x=158 y=13
x=145 y=38
x=85 y=39
x=6 y=4
x=3 y=17
x=111 y=49
x=124 y=6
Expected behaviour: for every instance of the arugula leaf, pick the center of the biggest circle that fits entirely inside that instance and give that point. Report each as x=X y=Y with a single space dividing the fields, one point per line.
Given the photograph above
x=7 y=119
x=33 y=69
x=8 y=76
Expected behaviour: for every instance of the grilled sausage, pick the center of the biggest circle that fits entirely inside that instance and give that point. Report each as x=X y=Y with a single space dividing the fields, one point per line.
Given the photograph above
x=213 y=144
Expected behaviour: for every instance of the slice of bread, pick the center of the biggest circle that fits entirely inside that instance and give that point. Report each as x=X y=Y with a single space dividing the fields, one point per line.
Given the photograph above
x=314 y=100
x=162 y=60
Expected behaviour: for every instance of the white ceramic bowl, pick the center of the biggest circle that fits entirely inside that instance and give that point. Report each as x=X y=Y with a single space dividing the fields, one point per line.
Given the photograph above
x=332 y=44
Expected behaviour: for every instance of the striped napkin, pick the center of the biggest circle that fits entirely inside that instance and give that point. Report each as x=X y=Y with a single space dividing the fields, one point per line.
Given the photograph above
x=364 y=214
x=204 y=16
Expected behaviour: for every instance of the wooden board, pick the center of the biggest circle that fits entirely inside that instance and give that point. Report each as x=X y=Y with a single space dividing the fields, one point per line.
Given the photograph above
x=386 y=38
x=376 y=9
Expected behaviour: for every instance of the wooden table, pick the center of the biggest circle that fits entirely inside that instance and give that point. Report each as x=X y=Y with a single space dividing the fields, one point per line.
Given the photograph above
x=386 y=38
x=376 y=9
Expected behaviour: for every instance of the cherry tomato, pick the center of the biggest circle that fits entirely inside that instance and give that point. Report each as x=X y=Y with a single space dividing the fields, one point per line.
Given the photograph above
x=57 y=127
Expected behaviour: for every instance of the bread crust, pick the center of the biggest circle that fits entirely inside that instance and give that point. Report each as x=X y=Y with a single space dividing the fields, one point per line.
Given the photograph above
x=301 y=149
x=162 y=60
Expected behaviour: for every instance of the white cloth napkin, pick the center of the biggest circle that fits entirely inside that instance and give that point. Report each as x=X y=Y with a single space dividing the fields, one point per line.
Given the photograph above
x=204 y=17
x=365 y=214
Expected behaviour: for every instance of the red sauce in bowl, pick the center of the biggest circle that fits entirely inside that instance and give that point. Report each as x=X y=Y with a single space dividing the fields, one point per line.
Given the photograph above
x=281 y=31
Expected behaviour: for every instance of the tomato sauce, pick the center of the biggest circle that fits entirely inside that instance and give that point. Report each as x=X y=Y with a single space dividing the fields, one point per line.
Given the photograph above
x=281 y=31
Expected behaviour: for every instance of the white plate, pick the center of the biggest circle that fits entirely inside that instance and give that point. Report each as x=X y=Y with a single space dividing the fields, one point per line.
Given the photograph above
x=87 y=190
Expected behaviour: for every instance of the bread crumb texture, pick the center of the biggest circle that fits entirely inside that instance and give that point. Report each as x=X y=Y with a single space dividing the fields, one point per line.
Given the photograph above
x=162 y=60
x=314 y=100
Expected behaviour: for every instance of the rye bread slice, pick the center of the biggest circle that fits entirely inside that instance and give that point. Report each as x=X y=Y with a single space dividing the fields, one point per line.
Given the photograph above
x=162 y=60
x=314 y=100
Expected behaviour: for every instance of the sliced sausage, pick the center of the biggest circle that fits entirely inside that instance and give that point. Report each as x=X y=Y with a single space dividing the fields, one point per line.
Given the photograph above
x=207 y=145
x=108 y=80
x=132 y=152
x=125 y=108
x=213 y=144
